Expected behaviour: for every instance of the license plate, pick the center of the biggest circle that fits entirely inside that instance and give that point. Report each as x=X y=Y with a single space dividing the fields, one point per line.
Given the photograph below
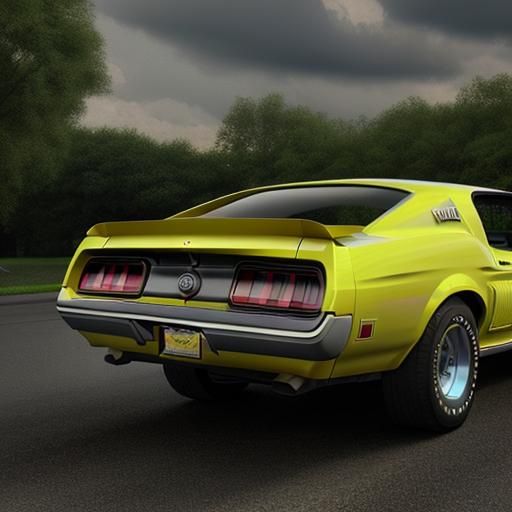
x=182 y=342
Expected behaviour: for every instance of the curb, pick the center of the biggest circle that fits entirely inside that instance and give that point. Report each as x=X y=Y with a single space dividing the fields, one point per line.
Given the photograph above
x=29 y=298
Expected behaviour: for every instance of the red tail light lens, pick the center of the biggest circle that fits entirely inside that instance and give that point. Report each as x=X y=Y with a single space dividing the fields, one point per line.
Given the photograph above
x=113 y=277
x=278 y=288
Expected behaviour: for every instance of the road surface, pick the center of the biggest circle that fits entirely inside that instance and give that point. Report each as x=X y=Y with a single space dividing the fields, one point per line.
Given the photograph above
x=77 y=434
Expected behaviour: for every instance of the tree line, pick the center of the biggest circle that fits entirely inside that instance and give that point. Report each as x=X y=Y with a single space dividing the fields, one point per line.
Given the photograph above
x=111 y=174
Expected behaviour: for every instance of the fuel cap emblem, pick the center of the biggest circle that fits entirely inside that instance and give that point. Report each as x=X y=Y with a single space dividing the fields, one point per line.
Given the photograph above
x=189 y=284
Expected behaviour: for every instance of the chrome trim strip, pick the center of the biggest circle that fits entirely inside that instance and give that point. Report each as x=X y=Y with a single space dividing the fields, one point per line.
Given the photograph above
x=497 y=349
x=206 y=325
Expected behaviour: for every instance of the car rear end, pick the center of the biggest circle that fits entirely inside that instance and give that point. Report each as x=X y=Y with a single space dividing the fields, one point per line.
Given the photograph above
x=267 y=299
x=254 y=303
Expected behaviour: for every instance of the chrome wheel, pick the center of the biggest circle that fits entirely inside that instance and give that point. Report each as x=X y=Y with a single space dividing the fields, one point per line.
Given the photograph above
x=454 y=362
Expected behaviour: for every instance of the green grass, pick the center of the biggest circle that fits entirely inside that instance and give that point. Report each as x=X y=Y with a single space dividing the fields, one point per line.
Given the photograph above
x=31 y=275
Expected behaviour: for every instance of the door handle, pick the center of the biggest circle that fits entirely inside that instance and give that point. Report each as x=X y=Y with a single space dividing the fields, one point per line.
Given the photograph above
x=503 y=262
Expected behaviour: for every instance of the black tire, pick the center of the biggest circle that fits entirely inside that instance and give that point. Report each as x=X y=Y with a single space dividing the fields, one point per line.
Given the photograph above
x=415 y=393
x=197 y=384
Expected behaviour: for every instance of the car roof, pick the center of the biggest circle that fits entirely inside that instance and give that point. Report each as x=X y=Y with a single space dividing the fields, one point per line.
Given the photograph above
x=404 y=184
x=411 y=186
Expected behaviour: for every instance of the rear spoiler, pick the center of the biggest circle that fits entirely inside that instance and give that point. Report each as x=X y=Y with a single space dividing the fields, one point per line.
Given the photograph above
x=223 y=227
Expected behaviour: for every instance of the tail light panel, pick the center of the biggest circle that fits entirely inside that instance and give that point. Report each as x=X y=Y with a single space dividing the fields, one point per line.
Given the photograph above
x=113 y=277
x=279 y=288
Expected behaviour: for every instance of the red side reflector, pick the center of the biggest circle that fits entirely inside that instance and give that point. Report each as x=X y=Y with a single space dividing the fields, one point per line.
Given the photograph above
x=366 y=329
x=281 y=288
x=113 y=277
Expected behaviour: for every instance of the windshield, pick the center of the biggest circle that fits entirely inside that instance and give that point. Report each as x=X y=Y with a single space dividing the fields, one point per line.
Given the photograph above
x=330 y=205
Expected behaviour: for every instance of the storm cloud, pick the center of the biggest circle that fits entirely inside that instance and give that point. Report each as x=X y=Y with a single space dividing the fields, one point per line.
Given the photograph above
x=471 y=18
x=300 y=36
x=178 y=65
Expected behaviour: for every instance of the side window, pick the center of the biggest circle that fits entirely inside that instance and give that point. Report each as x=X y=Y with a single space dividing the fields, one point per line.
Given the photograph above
x=495 y=211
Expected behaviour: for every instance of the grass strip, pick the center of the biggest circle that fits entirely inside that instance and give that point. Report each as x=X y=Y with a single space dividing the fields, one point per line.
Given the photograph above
x=22 y=289
x=31 y=275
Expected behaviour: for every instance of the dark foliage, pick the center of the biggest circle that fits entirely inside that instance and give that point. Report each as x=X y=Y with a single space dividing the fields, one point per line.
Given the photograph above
x=116 y=175
x=51 y=58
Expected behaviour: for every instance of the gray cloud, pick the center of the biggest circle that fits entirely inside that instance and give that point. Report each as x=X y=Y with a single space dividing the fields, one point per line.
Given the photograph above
x=473 y=18
x=163 y=120
x=297 y=36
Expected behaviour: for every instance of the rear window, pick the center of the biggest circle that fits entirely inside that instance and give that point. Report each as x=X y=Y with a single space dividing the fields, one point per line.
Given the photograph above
x=331 y=205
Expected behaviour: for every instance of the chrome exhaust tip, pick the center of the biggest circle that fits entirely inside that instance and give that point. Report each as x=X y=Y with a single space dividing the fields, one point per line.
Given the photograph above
x=286 y=384
x=116 y=357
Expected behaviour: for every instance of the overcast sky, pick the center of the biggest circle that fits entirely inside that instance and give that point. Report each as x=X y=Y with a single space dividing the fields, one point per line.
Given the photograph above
x=178 y=65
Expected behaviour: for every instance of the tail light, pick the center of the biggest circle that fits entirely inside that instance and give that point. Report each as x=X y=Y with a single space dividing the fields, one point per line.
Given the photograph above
x=113 y=277
x=287 y=289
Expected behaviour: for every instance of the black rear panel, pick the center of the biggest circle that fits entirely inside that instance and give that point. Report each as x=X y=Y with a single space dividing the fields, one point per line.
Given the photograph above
x=215 y=272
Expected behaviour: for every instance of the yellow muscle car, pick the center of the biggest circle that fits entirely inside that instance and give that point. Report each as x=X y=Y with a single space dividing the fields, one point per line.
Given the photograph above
x=308 y=284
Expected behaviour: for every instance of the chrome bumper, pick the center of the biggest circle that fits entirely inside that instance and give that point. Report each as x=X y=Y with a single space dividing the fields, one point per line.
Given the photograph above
x=315 y=339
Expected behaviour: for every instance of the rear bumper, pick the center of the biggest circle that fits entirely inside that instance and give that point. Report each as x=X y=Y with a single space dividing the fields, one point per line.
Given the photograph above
x=314 y=339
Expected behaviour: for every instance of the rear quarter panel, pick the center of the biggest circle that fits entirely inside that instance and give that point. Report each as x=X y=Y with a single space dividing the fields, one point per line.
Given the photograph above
x=402 y=274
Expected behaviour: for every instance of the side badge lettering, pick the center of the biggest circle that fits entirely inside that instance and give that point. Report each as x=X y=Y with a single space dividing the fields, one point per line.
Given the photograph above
x=446 y=214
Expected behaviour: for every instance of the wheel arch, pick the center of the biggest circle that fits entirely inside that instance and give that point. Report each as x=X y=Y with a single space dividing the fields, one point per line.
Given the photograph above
x=460 y=286
x=475 y=302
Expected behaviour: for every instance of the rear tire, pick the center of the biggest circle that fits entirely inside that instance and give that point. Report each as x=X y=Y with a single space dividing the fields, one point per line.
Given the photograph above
x=196 y=383
x=434 y=388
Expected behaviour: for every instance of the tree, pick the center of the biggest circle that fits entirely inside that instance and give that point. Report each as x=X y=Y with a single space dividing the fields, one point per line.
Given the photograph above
x=268 y=141
x=493 y=91
x=51 y=58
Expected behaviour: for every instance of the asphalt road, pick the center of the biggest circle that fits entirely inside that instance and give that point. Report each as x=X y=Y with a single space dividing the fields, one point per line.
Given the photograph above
x=77 y=434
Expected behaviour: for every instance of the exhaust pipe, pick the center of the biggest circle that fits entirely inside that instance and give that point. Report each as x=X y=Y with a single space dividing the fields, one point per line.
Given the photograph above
x=286 y=384
x=116 y=357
